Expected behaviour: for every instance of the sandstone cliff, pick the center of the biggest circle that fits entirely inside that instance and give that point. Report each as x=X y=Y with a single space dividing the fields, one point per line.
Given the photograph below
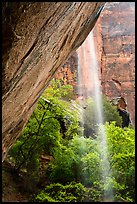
x=115 y=31
x=114 y=37
x=37 y=38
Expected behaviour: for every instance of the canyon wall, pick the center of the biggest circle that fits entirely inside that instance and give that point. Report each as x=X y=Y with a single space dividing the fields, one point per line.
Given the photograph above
x=37 y=38
x=114 y=37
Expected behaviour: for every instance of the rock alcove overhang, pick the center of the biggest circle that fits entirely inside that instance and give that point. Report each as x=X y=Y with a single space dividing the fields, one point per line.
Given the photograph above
x=37 y=39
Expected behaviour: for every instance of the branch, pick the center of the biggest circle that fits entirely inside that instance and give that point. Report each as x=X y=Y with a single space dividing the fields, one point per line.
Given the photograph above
x=35 y=117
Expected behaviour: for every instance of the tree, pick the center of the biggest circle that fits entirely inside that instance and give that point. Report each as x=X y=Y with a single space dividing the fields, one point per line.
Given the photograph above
x=46 y=128
x=109 y=114
x=121 y=147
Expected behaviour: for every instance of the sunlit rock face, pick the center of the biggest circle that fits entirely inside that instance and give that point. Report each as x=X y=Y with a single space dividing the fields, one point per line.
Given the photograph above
x=37 y=39
x=114 y=38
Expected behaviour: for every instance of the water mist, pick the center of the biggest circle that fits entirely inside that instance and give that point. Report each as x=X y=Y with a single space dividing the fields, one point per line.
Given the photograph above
x=89 y=86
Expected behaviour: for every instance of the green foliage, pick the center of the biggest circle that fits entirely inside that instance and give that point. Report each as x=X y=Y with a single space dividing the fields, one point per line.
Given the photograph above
x=121 y=146
x=53 y=129
x=89 y=118
x=91 y=168
x=72 y=192
x=45 y=129
x=110 y=114
x=64 y=159
x=58 y=90
x=78 y=161
x=88 y=159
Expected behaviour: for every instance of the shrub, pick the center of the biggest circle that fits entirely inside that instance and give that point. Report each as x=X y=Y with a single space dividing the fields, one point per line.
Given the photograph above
x=78 y=161
x=45 y=129
x=109 y=111
x=121 y=147
x=56 y=192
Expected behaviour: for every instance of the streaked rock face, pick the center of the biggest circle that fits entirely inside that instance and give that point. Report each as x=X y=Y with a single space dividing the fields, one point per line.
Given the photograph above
x=114 y=36
x=37 y=39
x=117 y=26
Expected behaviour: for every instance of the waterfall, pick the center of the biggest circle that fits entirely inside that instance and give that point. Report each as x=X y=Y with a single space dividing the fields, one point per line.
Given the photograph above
x=89 y=86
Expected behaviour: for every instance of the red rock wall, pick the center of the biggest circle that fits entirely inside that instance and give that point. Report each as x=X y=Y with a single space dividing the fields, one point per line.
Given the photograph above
x=117 y=29
x=114 y=35
x=68 y=72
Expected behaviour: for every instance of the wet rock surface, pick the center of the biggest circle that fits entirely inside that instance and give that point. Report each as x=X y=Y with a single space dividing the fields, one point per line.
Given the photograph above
x=114 y=38
x=37 y=39
x=117 y=25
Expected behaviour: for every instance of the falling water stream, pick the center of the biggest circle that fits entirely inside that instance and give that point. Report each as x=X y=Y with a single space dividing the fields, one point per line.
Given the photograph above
x=89 y=86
